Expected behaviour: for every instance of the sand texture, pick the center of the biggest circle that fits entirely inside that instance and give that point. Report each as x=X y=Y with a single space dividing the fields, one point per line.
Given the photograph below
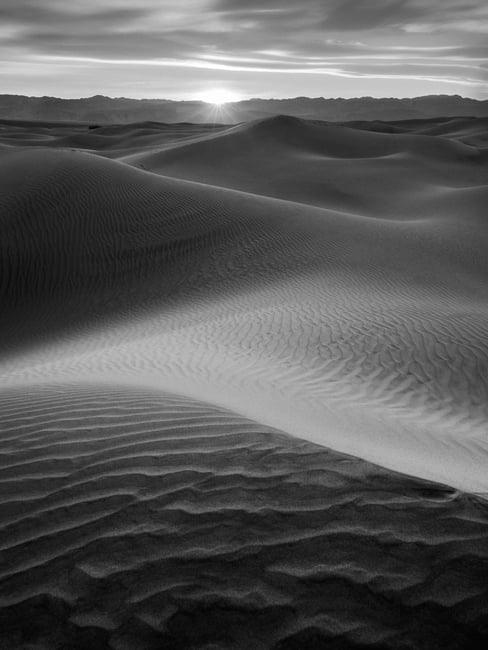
x=244 y=385
x=142 y=520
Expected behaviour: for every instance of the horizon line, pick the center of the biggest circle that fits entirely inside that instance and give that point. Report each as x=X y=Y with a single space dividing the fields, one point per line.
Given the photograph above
x=248 y=99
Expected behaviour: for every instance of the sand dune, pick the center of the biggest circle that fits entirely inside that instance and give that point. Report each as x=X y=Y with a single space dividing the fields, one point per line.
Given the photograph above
x=366 y=335
x=110 y=140
x=186 y=304
x=324 y=164
x=472 y=131
x=460 y=128
x=142 y=520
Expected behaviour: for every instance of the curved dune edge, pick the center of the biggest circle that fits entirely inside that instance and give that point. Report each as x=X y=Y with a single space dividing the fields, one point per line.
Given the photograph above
x=134 y=518
x=315 y=322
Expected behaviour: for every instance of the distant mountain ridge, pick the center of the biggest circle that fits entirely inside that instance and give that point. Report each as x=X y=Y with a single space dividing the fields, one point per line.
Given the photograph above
x=122 y=110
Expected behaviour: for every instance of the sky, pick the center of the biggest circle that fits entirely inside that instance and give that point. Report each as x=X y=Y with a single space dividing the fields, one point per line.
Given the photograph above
x=193 y=49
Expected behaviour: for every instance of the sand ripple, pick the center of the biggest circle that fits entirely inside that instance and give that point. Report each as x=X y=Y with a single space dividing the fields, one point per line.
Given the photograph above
x=142 y=520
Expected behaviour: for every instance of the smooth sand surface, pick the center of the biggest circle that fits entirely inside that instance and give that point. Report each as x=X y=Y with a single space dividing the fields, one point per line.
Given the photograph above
x=267 y=284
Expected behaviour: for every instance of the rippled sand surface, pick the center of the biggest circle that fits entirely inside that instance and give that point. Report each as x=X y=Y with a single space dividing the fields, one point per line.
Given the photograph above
x=223 y=351
x=145 y=520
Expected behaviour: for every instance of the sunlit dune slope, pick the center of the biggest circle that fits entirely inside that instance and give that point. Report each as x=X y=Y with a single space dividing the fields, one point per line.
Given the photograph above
x=365 y=335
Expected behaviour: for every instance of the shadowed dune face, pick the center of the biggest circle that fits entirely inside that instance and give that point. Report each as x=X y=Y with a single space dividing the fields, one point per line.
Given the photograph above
x=137 y=519
x=326 y=282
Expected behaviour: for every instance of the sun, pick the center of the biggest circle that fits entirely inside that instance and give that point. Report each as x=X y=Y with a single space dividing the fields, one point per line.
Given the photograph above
x=218 y=96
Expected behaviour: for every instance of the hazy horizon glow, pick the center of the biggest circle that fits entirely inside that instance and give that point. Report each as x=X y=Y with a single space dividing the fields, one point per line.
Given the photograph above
x=244 y=49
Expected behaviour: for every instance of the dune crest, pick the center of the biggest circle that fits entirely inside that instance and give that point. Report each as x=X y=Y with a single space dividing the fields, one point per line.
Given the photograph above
x=362 y=334
x=327 y=165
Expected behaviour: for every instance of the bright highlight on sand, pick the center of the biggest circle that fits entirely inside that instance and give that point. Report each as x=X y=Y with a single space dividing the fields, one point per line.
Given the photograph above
x=219 y=96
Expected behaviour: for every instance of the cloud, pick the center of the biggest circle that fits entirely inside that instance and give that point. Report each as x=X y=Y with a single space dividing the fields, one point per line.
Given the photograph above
x=33 y=16
x=249 y=38
x=371 y=14
x=354 y=15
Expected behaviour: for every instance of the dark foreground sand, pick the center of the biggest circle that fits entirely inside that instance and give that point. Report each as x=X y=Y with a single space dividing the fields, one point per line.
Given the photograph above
x=134 y=519
x=197 y=324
